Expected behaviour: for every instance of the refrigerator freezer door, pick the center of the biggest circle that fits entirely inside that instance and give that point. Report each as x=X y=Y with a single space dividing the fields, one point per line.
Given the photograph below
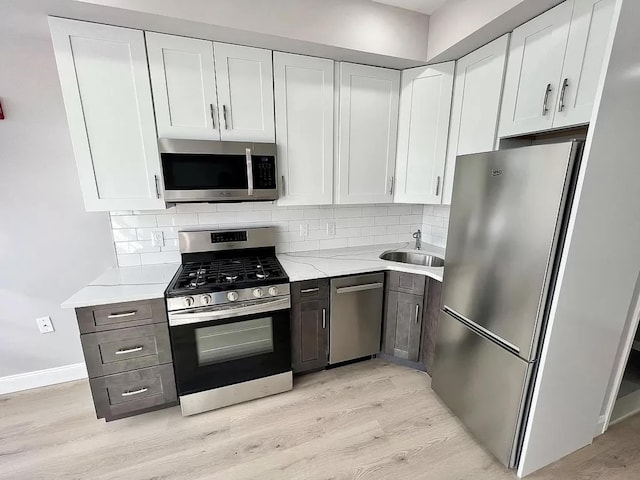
x=483 y=385
x=505 y=220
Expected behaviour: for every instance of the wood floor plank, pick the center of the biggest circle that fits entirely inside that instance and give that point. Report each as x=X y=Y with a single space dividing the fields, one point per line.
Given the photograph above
x=367 y=421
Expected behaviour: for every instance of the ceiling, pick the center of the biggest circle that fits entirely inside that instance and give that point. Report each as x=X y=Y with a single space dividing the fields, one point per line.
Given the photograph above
x=422 y=6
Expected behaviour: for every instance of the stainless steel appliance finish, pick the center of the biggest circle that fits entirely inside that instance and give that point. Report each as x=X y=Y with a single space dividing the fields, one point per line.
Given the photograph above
x=240 y=392
x=413 y=258
x=356 y=316
x=197 y=241
x=506 y=229
x=234 y=299
x=236 y=176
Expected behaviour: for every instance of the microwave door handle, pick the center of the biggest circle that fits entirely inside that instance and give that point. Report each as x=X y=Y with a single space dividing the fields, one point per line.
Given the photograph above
x=249 y=172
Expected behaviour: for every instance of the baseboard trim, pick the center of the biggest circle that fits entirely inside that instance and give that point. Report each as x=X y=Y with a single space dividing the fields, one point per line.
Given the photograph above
x=42 y=378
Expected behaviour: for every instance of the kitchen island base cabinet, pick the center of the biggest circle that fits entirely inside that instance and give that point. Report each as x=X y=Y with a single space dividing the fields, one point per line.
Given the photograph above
x=309 y=325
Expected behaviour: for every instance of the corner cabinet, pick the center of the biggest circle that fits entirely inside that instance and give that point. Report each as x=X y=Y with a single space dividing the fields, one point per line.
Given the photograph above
x=304 y=100
x=105 y=86
x=211 y=91
x=554 y=67
x=367 y=132
x=477 y=91
x=423 y=126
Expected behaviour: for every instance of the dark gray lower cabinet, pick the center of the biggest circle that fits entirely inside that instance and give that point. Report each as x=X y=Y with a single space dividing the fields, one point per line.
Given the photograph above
x=128 y=355
x=412 y=304
x=309 y=325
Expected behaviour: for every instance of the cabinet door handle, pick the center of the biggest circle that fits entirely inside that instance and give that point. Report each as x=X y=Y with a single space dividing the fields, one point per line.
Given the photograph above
x=565 y=84
x=213 y=115
x=324 y=318
x=283 y=186
x=134 y=392
x=129 y=350
x=438 y=185
x=249 y=171
x=391 y=185
x=157 y=180
x=359 y=288
x=123 y=314
x=309 y=290
x=417 y=312
x=224 y=116
x=547 y=91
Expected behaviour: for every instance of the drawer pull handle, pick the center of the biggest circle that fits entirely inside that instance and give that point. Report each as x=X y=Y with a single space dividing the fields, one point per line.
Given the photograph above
x=359 y=288
x=125 y=314
x=134 y=392
x=309 y=290
x=129 y=350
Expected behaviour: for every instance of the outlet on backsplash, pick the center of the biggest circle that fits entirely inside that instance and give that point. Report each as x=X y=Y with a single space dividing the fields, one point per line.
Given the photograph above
x=304 y=230
x=157 y=238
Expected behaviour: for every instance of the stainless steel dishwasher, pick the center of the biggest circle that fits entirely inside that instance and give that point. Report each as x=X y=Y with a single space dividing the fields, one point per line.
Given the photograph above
x=356 y=316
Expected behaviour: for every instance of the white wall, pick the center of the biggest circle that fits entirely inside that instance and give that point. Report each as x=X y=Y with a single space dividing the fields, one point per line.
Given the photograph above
x=49 y=247
x=461 y=26
x=599 y=269
x=356 y=225
x=290 y=25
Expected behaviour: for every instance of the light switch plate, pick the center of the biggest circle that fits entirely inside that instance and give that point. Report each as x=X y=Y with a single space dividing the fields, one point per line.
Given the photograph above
x=157 y=238
x=45 y=325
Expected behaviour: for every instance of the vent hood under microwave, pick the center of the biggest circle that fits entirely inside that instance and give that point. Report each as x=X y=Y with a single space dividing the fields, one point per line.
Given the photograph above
x=211 y=171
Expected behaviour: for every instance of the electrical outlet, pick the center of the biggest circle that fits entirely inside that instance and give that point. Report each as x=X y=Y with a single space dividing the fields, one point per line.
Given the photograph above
x=45 y=325
x=157 y=238
x=304 y=230
x=331 y=229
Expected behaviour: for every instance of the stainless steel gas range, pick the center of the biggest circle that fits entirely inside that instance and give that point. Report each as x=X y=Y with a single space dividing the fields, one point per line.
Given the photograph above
x=228 y=310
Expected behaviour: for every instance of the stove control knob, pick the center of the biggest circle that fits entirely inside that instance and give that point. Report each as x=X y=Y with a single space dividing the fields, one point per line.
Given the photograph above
x=189 y=301
x=258 y=293
x=273 y=290
x=205 y=299
x=232 y=296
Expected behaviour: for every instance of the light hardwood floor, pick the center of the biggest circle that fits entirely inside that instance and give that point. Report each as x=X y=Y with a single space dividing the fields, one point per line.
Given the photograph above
x=371 y=420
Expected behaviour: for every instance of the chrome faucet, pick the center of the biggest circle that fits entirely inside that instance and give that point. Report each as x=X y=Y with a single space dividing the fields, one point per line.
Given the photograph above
x=418 y=236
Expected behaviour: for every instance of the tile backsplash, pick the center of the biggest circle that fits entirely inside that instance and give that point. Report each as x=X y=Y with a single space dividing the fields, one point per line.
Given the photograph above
x=355 y=225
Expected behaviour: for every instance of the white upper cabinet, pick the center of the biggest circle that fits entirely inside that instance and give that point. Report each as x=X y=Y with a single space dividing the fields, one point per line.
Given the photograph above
x=588 y=37
x=244 y=76
x=554 y=67
x=477 y=91
x=534 y=68
x=425 y=106
x=304 y=99
x=105 y=85
x=367 y=129
x=184 y=86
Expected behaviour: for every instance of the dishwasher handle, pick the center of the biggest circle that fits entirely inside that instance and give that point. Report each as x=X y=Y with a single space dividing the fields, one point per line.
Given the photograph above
x=359 y=288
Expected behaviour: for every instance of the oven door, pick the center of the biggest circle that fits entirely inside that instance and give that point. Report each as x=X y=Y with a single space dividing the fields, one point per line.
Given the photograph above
x=214 y=348
x=204 y=171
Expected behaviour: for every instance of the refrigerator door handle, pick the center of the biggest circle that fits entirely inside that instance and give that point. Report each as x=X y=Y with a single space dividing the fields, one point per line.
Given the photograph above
x=479 y=329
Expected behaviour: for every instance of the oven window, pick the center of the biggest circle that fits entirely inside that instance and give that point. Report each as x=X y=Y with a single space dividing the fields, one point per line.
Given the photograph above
x=201 y=172
x=230 y=341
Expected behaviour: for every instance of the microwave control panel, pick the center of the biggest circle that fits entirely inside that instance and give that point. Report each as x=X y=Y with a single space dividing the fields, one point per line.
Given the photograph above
x=264 y=172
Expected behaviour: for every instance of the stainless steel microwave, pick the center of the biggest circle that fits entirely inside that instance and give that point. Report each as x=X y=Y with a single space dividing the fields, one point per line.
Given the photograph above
x=211 y=171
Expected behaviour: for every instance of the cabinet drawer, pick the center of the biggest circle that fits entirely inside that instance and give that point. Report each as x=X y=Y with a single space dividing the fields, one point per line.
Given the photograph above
x=309 y=290
x=125 y=394
x=120 y=315
x=126 y=349
x=406 y=283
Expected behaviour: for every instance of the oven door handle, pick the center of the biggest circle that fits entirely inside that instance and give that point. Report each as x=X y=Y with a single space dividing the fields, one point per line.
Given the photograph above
x=185 y=318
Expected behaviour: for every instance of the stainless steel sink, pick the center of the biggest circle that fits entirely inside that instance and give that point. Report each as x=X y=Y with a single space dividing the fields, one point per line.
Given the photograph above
x=413 y=258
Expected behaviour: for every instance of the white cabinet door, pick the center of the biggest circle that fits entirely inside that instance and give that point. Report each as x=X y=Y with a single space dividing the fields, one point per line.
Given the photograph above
x=534 y=69
x=368 y=125
x=588 y=37
x=304 y=134
x=244 y=76
x=425 y=106
x=184 y=86
x=477 y=91
x=105 y=85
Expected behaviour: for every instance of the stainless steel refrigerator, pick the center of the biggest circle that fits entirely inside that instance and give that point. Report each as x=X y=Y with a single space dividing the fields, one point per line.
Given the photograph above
x=506 y=231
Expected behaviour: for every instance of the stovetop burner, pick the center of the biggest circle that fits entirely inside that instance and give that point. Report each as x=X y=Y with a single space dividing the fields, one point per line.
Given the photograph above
x=227 y=273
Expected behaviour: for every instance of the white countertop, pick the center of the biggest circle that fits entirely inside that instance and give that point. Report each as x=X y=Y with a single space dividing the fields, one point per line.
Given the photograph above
x=348 y=261
x=130 y=284
x=125 y=284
